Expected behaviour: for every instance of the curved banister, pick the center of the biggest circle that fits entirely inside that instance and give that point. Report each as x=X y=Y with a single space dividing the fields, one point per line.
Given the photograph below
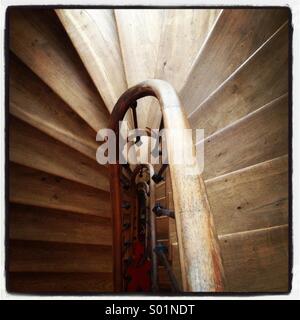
x=200 y=258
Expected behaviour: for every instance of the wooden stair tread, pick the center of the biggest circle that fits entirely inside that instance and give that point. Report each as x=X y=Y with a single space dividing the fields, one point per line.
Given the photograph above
x=95 y=37
x=141 y=30
x=260 y=80
x=43 y=224
x=232 y=34
x=160 y=190
x=39 y=40
x=33 y=187
x=33 y=102
x=38 y=256
x=162 y=201
x=44 y=282
x=162 y=228
x=251 y=198
x=32 y=148
x=256 y=260
x=182 y=35
x=260 y=136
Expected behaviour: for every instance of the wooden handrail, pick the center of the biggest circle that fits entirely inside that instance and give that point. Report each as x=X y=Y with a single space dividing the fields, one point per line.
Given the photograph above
x=200 y=259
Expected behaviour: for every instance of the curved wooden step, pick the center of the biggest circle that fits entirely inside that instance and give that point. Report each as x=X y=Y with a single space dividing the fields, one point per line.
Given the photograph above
x=39 y=40
x=49 y=225
x=182 y=35
x=34 y=149
x=33 y=102
x=95 y=37
x=38 y=256
x=250 y=208
x=259 y=136
x=261 y=79
x=256 y=260
x=255 y=197
x=44 y=282
x=37 y=188
x=139 y=33
x=236 y=35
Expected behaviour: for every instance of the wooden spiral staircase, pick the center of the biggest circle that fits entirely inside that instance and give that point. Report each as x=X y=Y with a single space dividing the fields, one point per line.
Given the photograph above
x=67 y=69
